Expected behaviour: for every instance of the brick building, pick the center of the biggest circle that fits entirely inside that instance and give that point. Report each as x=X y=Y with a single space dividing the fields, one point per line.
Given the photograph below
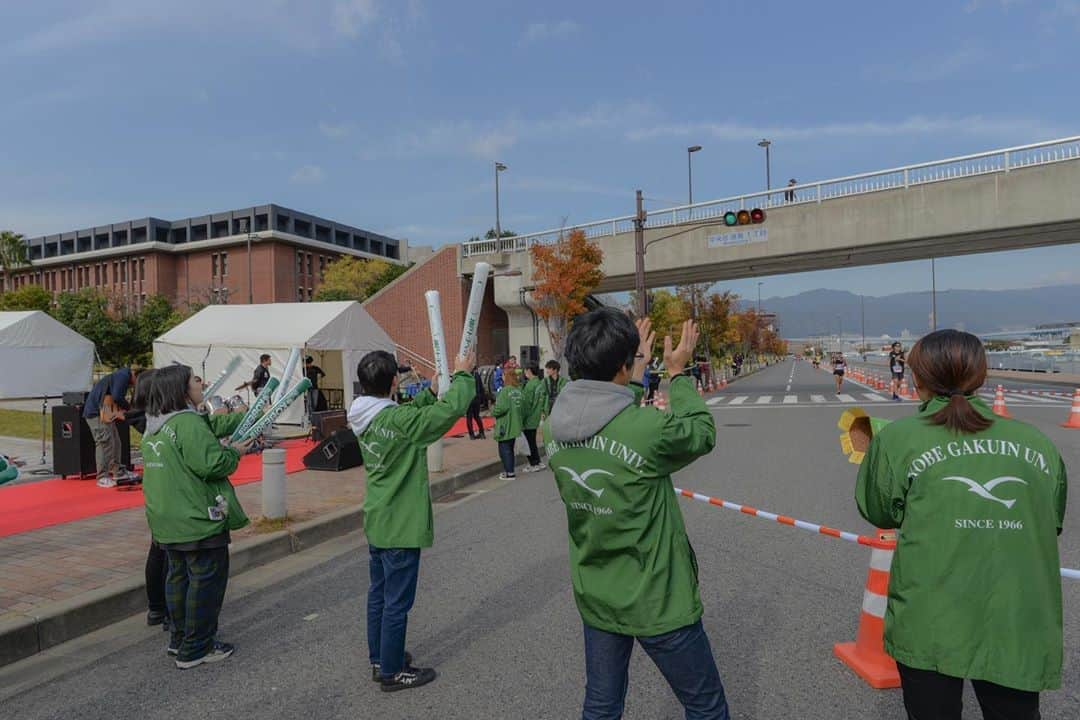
x=203 y=259
x=401 y=310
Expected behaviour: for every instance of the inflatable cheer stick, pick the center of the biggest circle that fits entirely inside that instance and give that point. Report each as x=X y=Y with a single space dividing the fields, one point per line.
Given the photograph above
x=859 y=428
x=229 y=369
x=472 y=311
x=253 y=413
x=438 y=340
x=263 y=424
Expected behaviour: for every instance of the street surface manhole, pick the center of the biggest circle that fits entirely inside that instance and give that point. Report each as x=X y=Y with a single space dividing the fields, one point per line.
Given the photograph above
x=736 y=425
x=453 y=497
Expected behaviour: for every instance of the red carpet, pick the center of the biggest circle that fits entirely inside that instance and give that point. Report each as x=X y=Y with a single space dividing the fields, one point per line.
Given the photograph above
x=461 y=428
x=52 y=502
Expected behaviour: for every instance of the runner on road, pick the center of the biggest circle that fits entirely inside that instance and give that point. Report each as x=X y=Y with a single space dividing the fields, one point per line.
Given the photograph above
x=839 y=365
x=897 y=362
x=634 y=573
x=975 y=590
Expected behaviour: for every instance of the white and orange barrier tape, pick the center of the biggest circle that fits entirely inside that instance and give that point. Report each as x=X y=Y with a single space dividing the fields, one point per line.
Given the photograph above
x=813 y=527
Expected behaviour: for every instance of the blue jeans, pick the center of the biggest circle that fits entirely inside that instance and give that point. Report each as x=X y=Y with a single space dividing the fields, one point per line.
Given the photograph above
x=506 y=454
x=683 y=656
x=390 y=597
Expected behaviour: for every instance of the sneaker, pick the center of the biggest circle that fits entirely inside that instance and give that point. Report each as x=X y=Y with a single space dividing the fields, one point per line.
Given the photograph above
x=504 y=476
x=218 y=652
x=529 y=469
x=407 y=679
x=156 y=617
x=376 y=675
x=107 y=481
x=896 y=398
x=173 y=649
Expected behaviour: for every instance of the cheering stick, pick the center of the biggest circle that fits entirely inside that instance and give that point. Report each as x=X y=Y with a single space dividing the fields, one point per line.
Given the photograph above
x=438 y=340
x=263 y=424
x=213 y=389
x=256 y=408
x=286 y=377
x=472 y=311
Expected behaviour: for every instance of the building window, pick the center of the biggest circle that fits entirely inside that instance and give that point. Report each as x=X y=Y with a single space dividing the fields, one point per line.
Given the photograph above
x=322 y=267
x=224 y=264
x=299 y=263
x=299 y=294
x=97 y=274
x=213 y=266
x=142 y=268
x=310 y=264
x=123 y=271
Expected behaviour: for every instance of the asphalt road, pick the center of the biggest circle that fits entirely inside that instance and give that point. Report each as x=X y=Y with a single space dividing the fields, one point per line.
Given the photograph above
x=496 y=616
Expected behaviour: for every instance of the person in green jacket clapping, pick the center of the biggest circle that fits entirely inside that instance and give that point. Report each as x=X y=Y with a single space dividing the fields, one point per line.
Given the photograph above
x=191 y=507
x=534 y=408
x=975 y=587
x=508 y=412
x=634 y=573
x=398 y=520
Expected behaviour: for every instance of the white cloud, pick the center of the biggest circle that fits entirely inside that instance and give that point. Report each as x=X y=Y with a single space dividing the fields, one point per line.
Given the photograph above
x=308 y=175
x=1064 y=12
x=541 y=31
x=353 y=16
x=976 y=125
x=491 y=145
x=334 y=131
x=931 y=69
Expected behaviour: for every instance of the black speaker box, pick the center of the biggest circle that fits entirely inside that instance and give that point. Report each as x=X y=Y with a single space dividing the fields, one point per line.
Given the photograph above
x=529 y=356
x=338 y=452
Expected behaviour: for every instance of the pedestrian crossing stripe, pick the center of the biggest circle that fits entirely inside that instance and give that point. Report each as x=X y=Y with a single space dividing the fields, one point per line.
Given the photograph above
x=775 y=400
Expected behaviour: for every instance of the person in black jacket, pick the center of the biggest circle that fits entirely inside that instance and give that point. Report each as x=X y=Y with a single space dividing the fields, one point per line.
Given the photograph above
x=473 y=412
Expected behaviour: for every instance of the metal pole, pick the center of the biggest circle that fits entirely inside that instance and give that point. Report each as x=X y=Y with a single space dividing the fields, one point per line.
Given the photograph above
x=933 y=296
x=759 y=298
x=689 y=178
x=498 y=225
x=862 y=313
x=273 y=484
x=639 y=255
x=768 y=170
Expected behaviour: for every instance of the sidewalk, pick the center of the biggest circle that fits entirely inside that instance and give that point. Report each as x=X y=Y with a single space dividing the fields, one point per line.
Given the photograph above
x=58 y=564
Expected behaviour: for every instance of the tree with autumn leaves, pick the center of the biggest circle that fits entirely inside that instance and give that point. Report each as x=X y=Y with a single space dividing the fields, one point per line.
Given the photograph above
x=565 y=274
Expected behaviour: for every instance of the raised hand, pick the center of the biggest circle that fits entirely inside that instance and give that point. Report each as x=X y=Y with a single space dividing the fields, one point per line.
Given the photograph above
x=644 y=351
x=675 y=360
x=466 y=362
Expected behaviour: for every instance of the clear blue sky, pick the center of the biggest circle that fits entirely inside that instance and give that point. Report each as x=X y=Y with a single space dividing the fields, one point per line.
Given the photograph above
x=388 y=115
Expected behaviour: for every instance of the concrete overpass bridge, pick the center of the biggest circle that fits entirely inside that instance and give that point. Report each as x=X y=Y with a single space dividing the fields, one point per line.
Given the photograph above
x=1007 y=199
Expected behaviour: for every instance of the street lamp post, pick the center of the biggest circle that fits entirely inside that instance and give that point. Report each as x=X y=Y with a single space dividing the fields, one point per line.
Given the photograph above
x=933 y=296
x=499 y=167
x=690 y=172
x=768 y=164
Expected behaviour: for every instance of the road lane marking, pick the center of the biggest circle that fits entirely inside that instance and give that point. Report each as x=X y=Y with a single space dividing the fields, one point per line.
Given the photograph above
x=818 y=398
x=874 y=398
x=845 y=398
x=764 y=400
x=789 y=399
x=738 y=400
x=715 y=400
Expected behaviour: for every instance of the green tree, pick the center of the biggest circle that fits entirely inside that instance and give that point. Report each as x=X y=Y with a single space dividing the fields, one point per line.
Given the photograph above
x=30 y=297
x=13 y=253
x=350 y=278
x=155 y=318
x=668 y=311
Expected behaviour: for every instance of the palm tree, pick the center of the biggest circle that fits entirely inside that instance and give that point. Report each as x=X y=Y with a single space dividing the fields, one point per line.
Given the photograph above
x=13 y=253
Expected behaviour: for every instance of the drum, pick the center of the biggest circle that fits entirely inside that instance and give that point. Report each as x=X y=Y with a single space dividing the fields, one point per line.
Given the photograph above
x=216 y=405
x=237 y=405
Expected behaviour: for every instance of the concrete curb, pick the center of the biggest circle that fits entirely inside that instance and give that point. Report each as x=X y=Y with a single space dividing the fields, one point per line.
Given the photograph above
x=58 y=622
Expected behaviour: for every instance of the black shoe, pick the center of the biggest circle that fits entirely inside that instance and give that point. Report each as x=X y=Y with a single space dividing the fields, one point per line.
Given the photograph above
x=218 y=652
x=173 y=649
x=156 y=617
x=376 y=676
x=407 y=679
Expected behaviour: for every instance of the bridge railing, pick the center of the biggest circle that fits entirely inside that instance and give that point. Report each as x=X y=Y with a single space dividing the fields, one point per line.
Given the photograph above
x=994 y=161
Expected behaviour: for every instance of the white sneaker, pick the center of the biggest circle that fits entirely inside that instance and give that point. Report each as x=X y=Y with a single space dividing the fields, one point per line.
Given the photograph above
x=107 y=481
x=504 y=476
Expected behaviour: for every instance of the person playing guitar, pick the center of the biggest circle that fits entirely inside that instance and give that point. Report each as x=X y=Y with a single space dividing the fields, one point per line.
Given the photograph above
x=104 y=408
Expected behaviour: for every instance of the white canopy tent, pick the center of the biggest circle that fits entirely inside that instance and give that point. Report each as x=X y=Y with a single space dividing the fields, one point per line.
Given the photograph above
x=335 y=334
x=42 y=357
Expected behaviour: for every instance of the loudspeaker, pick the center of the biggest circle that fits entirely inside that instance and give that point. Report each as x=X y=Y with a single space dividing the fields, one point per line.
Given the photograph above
x=73 y=445
x=530 y=356
x=326 y=423
x=338 y=452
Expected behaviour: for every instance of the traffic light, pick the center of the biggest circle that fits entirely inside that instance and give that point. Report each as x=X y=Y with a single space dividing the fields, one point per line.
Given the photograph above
x=744 y=217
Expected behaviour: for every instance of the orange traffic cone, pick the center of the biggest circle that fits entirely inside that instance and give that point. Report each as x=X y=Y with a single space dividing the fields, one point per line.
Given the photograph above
x=723 y=381
x=904 y=392
x=999 y=403
x=1074 y=414
x=866 y=656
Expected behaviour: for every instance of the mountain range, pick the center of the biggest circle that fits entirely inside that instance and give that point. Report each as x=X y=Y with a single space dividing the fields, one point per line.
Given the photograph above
x=822 y=312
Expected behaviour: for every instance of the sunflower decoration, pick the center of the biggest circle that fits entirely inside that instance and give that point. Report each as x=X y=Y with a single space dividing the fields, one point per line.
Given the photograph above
x=859 y=428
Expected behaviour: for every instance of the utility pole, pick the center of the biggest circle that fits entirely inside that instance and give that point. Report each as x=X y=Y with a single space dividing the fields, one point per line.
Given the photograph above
x=933 y=296
x=499 y=167
x=639 y=256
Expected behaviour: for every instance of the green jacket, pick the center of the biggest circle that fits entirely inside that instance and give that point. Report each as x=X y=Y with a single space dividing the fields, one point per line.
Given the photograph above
x=508 y=412
x=393 y=441
x=185 y=468
x=631 y=563
x=533 y=404
x=975 y=589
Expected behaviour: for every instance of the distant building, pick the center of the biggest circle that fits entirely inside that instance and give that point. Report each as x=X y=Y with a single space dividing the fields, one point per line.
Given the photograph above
x=202 y=259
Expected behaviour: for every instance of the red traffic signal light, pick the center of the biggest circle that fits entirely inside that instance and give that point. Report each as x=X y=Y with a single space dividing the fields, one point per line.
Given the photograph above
x=744 y=217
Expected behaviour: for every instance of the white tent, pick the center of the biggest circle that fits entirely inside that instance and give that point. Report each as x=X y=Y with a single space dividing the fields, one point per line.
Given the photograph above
x=335 y=334
x=42 y=357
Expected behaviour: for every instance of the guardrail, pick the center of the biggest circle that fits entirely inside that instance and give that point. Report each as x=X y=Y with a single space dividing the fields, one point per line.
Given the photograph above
x=994 y=161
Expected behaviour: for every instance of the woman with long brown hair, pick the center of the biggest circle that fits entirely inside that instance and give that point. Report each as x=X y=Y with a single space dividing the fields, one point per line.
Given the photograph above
x=975 y=589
